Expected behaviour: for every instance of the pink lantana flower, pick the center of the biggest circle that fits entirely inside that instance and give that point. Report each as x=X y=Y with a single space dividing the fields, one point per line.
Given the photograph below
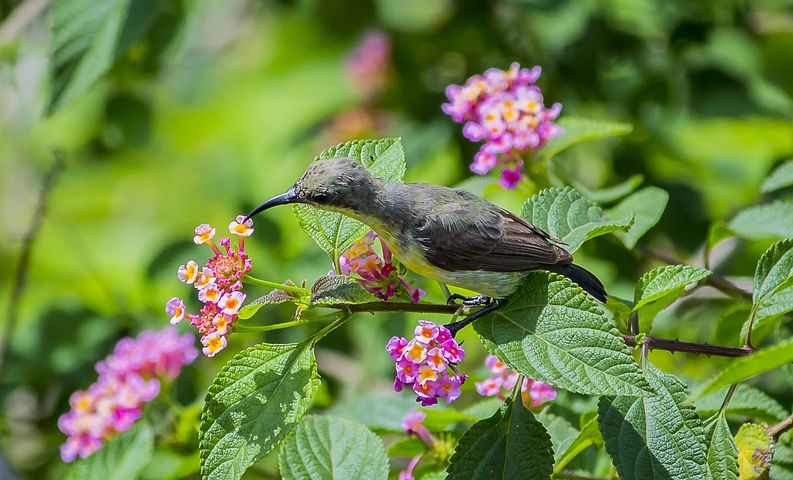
x=533 y=392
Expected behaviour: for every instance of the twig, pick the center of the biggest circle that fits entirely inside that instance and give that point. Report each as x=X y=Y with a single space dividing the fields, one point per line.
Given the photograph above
x=23 y=263
x=715 y=281
x=439 y=308
x=653 y=343
x=776 y=430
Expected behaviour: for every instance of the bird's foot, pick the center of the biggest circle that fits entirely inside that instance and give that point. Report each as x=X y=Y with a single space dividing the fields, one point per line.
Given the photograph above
x=492 y=305
x=475 y=301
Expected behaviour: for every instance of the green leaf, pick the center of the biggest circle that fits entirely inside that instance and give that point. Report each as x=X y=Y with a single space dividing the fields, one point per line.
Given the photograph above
x=770 y=220
x=332 y=448
x=612 y=193
x=781 y=177
x=561 y=432
x=88 y=37
x=578 y=130
x=746 y=401
x=551 y=330
x=329 y=290
x=379 y=412
x=483 y=408
x=647 y=205
x=755 y=449
x=655 y=437
x=568 y=216
x=333 y=232
x=587 y=436
x=510 y=444
x=121 y=458
x=275 y=297
x=659 y=287
x=252 y=404
x=744 y=368
x=773 y=285
x=722 y=452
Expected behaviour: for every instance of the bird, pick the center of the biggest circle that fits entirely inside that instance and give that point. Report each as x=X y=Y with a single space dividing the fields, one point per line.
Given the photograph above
x=445 y=234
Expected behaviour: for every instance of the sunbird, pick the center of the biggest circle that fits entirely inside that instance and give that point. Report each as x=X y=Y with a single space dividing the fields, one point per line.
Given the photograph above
x=446 y=234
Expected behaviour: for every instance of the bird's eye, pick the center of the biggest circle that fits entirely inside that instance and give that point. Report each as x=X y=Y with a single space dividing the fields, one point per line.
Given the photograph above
x=321 y=197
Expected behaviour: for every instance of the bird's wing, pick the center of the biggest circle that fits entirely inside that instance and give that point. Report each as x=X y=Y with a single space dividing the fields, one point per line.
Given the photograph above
x=456 y=238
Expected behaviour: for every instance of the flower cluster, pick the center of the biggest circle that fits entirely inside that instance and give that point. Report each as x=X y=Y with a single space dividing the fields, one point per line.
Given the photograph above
x=533 y=392
x=377 y=275
x=127 y=378
x=367 y=65
x=427 y=362
x=219 y=285
x=506 y=111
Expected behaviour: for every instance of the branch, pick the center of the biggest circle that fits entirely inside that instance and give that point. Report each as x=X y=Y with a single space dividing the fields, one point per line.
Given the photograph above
x=23 y=263
x=434 y=308
x=653 y=343
x=716 y=281
x=776 y=430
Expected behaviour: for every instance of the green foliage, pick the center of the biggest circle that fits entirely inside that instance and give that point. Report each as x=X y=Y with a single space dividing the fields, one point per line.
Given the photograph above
x=722 y=451
x=578 y=130
x=588 y=435
x=89 y=37
x=781 y=177
x=121 y=458
x=329 y=290
x=773 y=285
x=378 y=412
x=254 y=402
x=568 y=216
x=610 y=194
x=770 y=220
x=275 y=297
x=744 y=368
x=655 y=437
x=330 y=448
x=755 y=449
x=647 y=205
x=510 y=444
x=661 y=286
x=562 y=433
x=746 y=401
x=333 y=232
x=553 y=331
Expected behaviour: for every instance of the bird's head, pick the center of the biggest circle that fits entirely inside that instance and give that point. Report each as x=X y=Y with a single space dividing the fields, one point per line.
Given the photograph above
x=338 y=184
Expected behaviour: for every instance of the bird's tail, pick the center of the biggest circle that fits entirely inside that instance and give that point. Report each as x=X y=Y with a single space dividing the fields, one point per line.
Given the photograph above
x=584 y=278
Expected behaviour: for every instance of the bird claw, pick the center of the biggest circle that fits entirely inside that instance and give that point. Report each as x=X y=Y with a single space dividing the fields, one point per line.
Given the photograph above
x=475 y=301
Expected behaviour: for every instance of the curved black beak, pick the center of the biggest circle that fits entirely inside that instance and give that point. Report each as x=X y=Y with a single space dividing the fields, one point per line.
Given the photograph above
x=285 y=198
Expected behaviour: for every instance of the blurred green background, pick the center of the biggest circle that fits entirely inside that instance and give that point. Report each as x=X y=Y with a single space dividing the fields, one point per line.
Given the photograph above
x=220 y=105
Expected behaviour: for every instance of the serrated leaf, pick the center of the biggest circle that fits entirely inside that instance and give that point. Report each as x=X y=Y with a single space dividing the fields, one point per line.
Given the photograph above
x=722 y=452
x=379 y=412
x=655 y=437
x=510 y=444
x=275 y=297
x=658 y=288
x=755 y=449
x=88 y=37
x=746 y=401
x=578 y=130
x=612 y=193
x=773 y=285
x=744 y=368
x=551 y=330
x=332 y=448
x=252 y=404
x=568 y=216
x=770 y=220
x=329 y=290
x=648 y=205
x=121 y=458
x=333 y=232
x=781 y=177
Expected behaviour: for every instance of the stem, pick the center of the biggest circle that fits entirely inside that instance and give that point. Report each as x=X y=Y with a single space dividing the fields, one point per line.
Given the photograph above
x=727 y=398
x=279 y=326
x=776 y=430
x=747 y=342
x=23 y=264
x=280 y=286
x=653 y=343
x=409 y=307
x=716 y=281
x=330 y=327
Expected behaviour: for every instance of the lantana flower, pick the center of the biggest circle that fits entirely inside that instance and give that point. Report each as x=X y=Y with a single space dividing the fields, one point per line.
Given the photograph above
x=219 y=285
x=368 y=65
x=504 y=109
x=130 y=376
x=533 y=392
x=427 y=363
x=377 y=275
